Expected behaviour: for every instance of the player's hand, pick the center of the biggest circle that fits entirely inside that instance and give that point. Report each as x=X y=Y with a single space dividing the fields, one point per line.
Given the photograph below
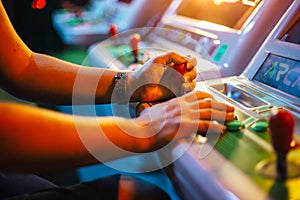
x=158 y=79
x=179 y=117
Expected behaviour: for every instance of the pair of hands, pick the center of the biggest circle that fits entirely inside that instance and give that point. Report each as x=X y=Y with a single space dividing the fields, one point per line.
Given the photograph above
x=190 y=112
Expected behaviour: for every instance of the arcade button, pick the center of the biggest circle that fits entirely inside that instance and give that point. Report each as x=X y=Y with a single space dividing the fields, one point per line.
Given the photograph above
x=75 y=21
x=38 y=4
x=260 y=126
x=234 y=125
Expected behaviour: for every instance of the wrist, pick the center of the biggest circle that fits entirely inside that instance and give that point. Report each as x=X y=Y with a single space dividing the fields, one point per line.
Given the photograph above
x=132 y=91
x=145 y=139
x=119 y=94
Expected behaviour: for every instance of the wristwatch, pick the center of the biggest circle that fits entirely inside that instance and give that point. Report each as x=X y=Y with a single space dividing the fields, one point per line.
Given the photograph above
x=119 y=93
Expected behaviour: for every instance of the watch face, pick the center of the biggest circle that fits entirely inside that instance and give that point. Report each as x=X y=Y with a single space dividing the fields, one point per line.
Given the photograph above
x=120 y=75
x=119 y=93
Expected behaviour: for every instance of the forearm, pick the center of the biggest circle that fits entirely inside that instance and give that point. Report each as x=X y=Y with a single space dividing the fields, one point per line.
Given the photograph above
x=49 y=80
x=34 y=139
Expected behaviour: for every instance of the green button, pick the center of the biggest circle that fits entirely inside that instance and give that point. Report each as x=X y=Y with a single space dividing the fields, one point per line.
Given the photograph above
x=260 y=126
x=234 y=125
x=221 y=51
x=74 y=21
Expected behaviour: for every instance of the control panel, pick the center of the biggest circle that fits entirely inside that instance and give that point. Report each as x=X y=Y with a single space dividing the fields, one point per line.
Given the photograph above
x=260 y=149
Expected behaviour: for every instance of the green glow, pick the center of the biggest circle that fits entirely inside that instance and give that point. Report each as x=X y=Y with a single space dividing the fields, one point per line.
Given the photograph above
x=220 y=52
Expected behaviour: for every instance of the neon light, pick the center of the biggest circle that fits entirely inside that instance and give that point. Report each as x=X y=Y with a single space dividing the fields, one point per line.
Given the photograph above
x=38 y=4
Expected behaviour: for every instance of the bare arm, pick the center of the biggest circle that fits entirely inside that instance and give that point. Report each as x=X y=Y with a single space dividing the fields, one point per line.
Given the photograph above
x=39 y=139
x=41 y=78
x=34 y=139
x=50 y=80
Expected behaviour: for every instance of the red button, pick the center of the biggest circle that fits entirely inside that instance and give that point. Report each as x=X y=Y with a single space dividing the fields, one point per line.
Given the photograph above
x=38 y=4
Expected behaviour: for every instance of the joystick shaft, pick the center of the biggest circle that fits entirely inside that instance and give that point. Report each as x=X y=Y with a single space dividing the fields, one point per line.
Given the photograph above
x=134 y=43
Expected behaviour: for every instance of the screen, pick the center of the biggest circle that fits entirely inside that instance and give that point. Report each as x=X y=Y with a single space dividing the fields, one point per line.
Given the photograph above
x=280 y=73
x=293 y=34
x=228 y=13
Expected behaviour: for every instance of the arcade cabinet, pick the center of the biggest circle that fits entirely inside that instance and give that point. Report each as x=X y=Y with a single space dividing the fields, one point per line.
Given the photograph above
x=241 y=163
x=230 y=31
x=92 y=24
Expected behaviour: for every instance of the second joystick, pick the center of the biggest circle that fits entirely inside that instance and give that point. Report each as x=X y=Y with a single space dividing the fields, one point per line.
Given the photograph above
x=135 y=40
x=281 y=128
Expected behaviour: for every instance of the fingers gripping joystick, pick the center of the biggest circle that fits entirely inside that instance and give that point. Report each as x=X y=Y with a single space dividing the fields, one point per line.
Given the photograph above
x=281 y=129
x=181 y=68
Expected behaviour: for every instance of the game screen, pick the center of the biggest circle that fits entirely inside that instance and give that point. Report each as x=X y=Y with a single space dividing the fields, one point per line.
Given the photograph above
x=293 y=34
x=232 y=14
x=280 y=73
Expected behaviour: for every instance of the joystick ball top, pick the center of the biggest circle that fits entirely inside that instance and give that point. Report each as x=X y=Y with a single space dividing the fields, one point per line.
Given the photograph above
x=38 y=4
x=113 y=30
x=281 y=128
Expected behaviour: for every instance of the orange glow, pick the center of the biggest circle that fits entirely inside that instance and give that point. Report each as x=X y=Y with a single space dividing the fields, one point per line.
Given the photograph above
x=38 y=4
x=294 y=144
x=246 y=2
x=218 y=2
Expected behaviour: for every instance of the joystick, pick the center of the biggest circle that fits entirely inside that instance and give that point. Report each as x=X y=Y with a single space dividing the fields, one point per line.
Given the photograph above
x=113 y=31
x=181 y=68
x=281 y=129
x=134 y=43
x=38 y=4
